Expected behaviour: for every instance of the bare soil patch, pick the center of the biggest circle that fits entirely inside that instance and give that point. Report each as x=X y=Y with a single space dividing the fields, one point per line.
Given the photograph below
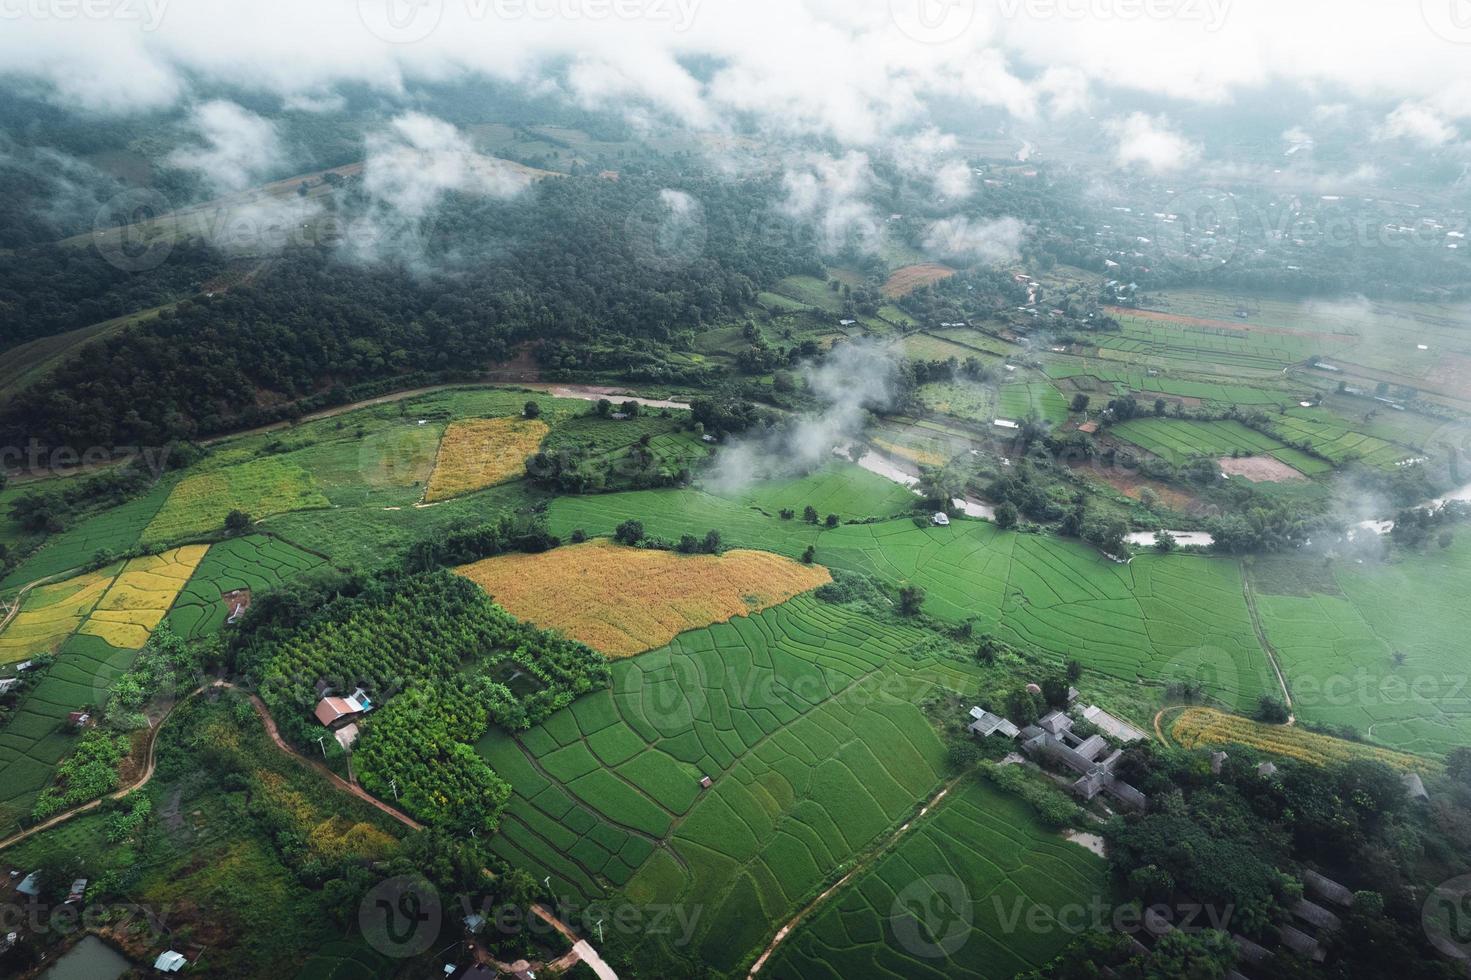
x=904 y=281
x=1260 y=469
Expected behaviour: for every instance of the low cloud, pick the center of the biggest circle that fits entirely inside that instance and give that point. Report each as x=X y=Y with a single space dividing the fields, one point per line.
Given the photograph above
x=995 y=242
x=828 y=193
x=1150 y=142
x=852 y=380
x=235 y=148
x=1417 y=123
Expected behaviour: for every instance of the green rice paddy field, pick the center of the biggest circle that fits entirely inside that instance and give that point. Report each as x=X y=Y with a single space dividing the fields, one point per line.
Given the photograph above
x=981 y=860
x=805 y=717
x=1157 y=617
x=1339 y=632
x=1221 y=348
x=1179 y=439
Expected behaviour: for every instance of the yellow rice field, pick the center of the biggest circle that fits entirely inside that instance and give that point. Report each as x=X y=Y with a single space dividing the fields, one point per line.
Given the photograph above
x=1207 y=727
x=141 y=596
x=622 y=601
x=51 y=613
x=479 y=453
x=260 y=488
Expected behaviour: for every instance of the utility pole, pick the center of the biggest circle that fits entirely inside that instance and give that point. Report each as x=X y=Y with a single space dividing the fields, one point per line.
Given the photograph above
x=321 y=743
x=600 y=932
x=394 y=784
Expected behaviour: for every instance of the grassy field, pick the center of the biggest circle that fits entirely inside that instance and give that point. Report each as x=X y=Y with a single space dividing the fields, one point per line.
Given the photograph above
x=621 y=601
x=1106 y=379
x=260 y=488
x=1336 y=439
x=952 y=900
x=1208 y=728
x=479 y=453
x=1147 y=339
x=967 y=401
x=805 y=718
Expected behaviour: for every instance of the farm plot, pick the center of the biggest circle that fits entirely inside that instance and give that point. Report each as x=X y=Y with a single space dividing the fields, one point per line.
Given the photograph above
x=1207 y=727
x=849 y=491
x=115 y=530
x=1177 y=440
x=963 y=400
x=1383 y=655
x=260 y=488
x=141 y=595
x=1332 y=438
x=903 y=281
x=51 y=613
x=1121 y=379
x=1016 y=400
x=959 y=897
x=621 y=601
x=1214 y=348
x=95 y=624
x=480 y=453
x=254 y=563
x=1159 y=617
x=805 y=718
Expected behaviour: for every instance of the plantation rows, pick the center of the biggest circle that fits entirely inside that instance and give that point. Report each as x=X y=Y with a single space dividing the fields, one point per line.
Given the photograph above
x=958 y=898
x=1220 y=347
x=803 y=716
x=1019 y=399
x=1177 y=440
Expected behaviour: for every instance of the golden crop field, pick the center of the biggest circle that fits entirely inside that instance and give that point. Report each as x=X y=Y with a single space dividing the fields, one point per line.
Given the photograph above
x=479 y=453
x=260 y=488
x=51 y=613
x=141 y=596
x=622 y=601
x=1207 y=727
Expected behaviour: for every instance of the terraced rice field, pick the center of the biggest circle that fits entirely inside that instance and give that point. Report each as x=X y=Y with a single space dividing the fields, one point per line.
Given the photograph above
x=260 y=488
x=141 y=595
x=1208 y=728
x=805 y=718
x=1121 y=379
x=126 y=600
x=1018 y=399
x=1158 y=617
x=1179 y=439
x=1155 y=338
x=479 y=453
x=51 y=613
x=256 y=563
x=957 y=898
x=1333 y=438
x=622 y=601
x=116 y=530
x=1378 y=648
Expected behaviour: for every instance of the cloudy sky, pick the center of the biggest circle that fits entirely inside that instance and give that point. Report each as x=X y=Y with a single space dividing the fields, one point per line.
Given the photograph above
x=849 y=70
